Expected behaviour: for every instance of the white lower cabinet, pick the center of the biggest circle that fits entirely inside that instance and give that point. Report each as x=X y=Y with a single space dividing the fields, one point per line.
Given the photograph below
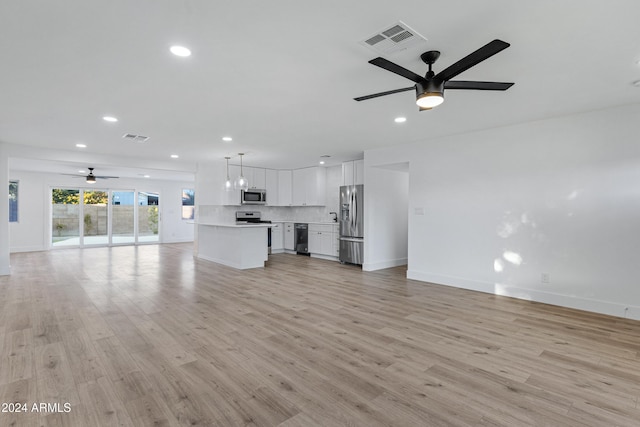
x=321 y=239
x=289 y=236
x=277 y=237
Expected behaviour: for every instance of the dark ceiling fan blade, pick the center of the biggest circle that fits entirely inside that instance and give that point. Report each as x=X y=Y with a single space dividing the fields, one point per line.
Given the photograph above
x=472 y=59
x=105 y=177
x=395 y=68
x=461 y=84
x=389 y=92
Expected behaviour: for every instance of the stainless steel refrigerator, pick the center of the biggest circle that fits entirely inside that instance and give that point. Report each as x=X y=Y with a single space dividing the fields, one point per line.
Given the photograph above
x=351 y=223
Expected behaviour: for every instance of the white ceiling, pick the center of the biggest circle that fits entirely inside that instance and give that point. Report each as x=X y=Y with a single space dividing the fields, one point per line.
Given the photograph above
x=279 y=76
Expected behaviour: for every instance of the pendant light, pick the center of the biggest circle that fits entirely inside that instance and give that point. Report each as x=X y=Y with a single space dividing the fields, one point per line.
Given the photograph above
x=241 y=183
x=227 y=184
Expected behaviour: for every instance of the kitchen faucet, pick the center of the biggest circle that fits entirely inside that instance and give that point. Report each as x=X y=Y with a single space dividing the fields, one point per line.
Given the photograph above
x=335 y=216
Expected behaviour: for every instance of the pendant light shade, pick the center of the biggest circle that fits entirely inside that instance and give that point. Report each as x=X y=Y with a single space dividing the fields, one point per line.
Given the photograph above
x=228 y=186
x=241 y=182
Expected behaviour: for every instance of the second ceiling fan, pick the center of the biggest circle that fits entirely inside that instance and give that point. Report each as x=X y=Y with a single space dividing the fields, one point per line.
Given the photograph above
x=430 y=88
x=91 y=178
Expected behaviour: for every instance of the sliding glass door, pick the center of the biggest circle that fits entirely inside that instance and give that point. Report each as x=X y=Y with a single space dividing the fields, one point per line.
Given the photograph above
x=148 y=217
x=103 y=217
x=123 y=217
x=95 y=217
x=65 y=217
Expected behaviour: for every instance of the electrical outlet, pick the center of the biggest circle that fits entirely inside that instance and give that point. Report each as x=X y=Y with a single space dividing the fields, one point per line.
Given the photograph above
x=545 y=278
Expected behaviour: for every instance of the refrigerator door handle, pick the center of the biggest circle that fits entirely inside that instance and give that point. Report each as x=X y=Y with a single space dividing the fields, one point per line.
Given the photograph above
x=352 y=239
x=352 y=201
x=355 y=209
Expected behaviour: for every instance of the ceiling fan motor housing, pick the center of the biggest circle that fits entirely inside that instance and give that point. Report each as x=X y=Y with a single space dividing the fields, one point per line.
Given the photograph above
x=432 y=87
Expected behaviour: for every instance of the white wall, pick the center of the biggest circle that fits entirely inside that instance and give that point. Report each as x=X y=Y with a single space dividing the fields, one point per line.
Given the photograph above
x=503 y=206
x=386 y=194
x=5 y=265
x=32 y=232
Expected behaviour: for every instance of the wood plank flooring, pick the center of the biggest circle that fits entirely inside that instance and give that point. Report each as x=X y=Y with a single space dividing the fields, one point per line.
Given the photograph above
x=150 y=336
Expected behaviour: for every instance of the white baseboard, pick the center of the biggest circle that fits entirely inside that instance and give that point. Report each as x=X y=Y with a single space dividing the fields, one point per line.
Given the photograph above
x=19 y=249
x=179 y=241
x=327 y=257
x=372 y=266
x=602 y=307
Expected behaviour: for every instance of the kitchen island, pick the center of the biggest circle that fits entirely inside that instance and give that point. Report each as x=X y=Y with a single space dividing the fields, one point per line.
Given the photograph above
x=240 y=246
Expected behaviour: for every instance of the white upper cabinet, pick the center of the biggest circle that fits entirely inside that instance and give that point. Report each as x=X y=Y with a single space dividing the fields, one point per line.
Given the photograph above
x=300 y=187
x=358 y=172
x=353 y=172
x=284 y=188
x=271 y=178
x=309 y=186
x=256 y=177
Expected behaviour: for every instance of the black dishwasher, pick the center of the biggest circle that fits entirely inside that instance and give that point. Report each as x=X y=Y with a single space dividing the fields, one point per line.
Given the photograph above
x=302 y=238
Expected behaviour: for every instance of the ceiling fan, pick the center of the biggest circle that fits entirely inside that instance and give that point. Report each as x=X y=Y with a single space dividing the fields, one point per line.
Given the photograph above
x=91 y=178
x=430 y=88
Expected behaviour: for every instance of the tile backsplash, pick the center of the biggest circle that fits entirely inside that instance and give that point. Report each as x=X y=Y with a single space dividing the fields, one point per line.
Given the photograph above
x=227 y=214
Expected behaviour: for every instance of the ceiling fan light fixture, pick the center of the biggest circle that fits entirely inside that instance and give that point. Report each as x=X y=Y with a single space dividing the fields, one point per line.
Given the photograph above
x=428 y=100
x=91 y=179
x=429 y=94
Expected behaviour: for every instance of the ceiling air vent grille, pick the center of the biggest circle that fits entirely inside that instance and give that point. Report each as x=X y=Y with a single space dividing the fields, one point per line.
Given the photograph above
x=135 y=138
x=394 y=38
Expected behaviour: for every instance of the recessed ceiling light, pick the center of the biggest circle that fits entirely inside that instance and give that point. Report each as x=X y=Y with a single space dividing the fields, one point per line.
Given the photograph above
x=180 y=51
x=147 y=176
x=227 y=139
x=110 y=119
x=174 y=156
x=322 y=162
x=82 y=171
x=400 y=119
x=81 y=145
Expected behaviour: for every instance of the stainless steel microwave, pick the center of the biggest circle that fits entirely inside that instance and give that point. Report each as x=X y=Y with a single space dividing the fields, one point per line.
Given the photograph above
x=253 y=197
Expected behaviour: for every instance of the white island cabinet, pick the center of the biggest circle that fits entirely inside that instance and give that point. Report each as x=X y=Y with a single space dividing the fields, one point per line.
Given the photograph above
x=239 y=246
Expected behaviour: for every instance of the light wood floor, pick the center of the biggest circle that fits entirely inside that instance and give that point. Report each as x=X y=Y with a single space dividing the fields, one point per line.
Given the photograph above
x=149 y=336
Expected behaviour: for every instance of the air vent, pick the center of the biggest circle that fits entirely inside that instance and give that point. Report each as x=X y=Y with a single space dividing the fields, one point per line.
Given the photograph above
x=135 y=138
x=394 y=38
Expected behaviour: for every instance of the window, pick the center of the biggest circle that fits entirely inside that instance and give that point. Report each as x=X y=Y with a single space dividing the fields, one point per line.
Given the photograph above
x=188 y=203
x=13 y=201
